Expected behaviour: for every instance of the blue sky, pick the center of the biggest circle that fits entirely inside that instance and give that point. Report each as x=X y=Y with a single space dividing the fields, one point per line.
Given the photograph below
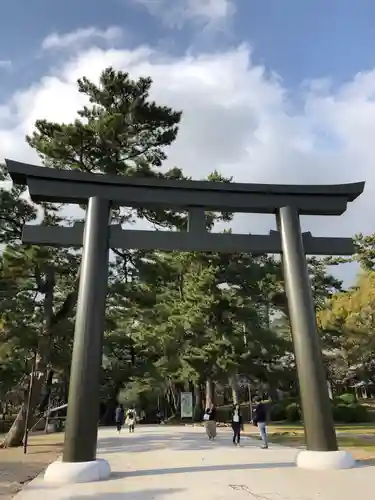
x=271 y=90
x=297 y=39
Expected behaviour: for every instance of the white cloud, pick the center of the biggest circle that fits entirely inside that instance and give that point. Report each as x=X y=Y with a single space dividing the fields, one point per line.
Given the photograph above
x=5 y=64
x=211 y=9
x=176 y=13
x=237 y=119
x=68 y=40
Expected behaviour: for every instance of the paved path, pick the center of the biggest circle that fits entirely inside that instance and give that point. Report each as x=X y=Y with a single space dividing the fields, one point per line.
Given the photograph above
x=179 y=463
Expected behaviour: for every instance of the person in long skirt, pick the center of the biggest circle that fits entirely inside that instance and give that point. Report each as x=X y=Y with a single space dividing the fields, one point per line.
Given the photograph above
x=209 y=418
x=206 y=420
x=213 y=421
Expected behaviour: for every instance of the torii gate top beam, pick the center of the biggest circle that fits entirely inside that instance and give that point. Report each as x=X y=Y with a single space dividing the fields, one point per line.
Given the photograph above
x=67 y=186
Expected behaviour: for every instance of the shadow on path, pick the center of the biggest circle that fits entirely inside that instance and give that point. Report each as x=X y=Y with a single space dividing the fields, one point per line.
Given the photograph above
x=366 y=462
x=202 y=469
x=174 y=441
x=136 y=495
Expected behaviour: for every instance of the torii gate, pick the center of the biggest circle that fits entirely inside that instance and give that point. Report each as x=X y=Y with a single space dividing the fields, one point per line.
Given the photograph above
x=100 y=193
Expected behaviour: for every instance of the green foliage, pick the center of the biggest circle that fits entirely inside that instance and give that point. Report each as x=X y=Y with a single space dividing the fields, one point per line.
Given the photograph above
x=365 y=251
x=173 y=320
x=224 y=413
x=350 y=414
x=347 y=323
x=293 y=412
x=347 y=399
x=121 y=132
x=345 y=410
x=278 y=412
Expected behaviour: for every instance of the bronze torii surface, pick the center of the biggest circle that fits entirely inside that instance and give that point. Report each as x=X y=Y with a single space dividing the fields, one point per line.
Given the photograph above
x=102 y=192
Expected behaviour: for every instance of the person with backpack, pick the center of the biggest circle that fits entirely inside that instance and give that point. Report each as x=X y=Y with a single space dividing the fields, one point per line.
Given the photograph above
x=236 y=424
x=119 y=417
x=130 y=419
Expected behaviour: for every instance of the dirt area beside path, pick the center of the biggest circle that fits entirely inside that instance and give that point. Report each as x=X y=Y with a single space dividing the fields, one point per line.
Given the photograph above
x=16 y=469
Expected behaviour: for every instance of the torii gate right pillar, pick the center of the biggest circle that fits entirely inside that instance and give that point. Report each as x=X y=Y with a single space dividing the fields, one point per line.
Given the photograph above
x=320 y=433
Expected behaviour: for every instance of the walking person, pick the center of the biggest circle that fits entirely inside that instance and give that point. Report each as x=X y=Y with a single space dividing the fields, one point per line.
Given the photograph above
x=260 y=420
x=130 y=419
x=213 y=421
x=160 y=418
x=209 y=419
x=206 y=420
x=119 y=417
x=236 y=424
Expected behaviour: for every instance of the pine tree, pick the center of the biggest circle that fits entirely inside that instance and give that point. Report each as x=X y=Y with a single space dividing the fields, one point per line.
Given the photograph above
x=120 y=131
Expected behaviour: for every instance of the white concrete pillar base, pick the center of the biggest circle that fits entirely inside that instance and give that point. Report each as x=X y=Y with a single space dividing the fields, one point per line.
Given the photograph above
x=325 y=460
x=77 y=472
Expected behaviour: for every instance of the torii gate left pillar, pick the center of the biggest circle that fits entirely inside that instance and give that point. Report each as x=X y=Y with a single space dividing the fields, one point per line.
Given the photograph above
x=88 y=336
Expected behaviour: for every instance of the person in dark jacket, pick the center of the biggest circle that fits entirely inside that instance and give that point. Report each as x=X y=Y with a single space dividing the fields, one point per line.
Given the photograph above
x=236 y=424
x=260 y=420
x=119 y=417
x=213 y=421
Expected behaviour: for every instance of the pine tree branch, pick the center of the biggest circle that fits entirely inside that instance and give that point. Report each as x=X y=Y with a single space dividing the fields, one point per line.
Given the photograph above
x=68 y=305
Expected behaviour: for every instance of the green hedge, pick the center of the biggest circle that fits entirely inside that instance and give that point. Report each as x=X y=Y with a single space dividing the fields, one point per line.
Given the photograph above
x=279 y=411
x=350 y=414
x=293 y=412
x=224 y=413
x=345 y=409
x=346 y=399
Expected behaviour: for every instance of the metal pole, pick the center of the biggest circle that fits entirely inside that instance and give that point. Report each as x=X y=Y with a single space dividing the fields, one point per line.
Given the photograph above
x=316 y=406
x=250 y=403
x=248 y=382
x=83 y=403
x=48 y=413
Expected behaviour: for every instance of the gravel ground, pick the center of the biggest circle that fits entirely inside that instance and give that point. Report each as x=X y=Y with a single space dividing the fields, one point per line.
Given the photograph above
x=16 y=469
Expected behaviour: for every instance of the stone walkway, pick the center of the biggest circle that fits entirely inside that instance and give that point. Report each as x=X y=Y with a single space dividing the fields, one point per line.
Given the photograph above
x=179 y=463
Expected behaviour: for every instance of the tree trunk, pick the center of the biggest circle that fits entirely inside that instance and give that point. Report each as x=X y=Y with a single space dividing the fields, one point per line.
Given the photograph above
x=198 y=410
x=272 y=392
x=233 y=382
x=173 y=398
x=51 y=318
x=210 y=393
x=14 y=436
